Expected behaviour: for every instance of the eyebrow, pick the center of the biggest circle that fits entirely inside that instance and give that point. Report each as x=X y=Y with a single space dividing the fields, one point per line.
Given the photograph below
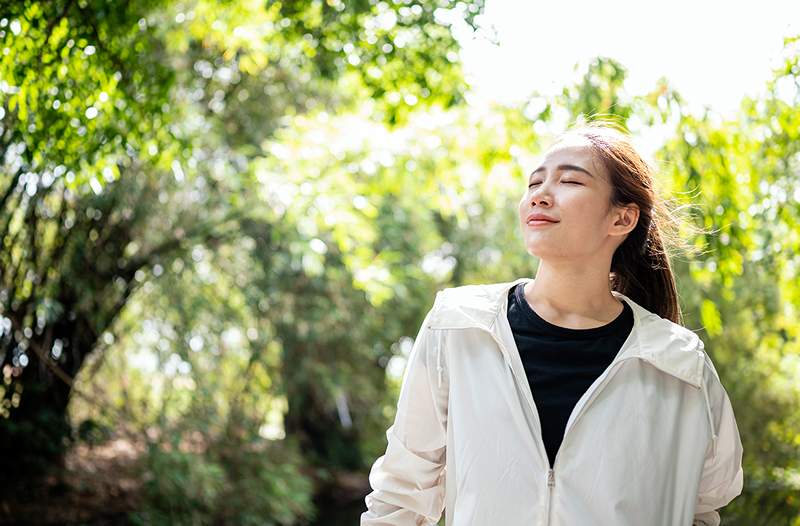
x=564 y=167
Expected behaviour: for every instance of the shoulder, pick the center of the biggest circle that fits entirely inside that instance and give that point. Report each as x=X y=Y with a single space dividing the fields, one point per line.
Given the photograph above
x=474 y=288
x=478 y=292
x=467 y=305
x=685 y=338
x=668 y=334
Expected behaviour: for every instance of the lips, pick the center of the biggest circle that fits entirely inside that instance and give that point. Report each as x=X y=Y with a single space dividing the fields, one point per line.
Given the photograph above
x=538 y=224
x=538 y=218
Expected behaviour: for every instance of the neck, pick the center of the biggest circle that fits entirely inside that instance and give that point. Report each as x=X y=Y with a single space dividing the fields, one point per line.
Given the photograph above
x=575 y=296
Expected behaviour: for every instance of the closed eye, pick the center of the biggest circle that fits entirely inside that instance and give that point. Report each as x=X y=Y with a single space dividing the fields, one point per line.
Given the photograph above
x=567 y=182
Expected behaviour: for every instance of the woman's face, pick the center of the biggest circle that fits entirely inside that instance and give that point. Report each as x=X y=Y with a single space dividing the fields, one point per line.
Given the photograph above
x=572 y=189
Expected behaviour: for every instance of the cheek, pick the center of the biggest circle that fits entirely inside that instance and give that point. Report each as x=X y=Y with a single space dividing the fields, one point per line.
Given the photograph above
x=581 y=209
x=523 y=206
x=585 y=211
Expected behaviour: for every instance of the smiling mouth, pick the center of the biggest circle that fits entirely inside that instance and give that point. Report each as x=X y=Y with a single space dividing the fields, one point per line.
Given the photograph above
x=541 y=222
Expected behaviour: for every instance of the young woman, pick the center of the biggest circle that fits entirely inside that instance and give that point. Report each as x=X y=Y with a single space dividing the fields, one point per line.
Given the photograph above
x=575 y=398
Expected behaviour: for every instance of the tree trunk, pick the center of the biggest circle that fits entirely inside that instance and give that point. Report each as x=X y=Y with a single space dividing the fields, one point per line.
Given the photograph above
x=35 y=430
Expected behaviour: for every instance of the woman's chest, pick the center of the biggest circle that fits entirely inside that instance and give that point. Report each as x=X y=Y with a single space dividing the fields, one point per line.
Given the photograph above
x=630 y=414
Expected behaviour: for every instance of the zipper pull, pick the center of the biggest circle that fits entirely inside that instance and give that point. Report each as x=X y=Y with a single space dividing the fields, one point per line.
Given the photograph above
x=551 y=479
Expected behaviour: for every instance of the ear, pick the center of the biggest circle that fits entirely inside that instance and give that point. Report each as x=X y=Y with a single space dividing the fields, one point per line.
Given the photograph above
x=625 y=218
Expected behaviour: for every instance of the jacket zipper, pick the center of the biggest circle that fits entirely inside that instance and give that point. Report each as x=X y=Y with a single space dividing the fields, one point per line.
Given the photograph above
x=550 y=481
x=550 y=474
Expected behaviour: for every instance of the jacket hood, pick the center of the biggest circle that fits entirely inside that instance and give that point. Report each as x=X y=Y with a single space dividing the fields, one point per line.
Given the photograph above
x=670 y=347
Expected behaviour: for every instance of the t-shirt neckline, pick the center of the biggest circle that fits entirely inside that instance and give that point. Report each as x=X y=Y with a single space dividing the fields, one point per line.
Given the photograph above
x=611 y=327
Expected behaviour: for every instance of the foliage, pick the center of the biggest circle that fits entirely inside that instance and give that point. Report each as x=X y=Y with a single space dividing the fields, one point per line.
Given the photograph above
x=227 y=483
x=126 y=132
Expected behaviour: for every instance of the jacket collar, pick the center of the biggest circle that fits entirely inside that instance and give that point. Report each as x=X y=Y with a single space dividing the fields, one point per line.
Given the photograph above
x=670 y=347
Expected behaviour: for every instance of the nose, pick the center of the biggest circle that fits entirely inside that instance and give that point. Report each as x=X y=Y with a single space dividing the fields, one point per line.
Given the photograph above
x=540 y=196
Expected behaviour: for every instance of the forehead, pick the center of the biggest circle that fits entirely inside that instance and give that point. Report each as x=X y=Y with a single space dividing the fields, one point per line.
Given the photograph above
x=575 y=150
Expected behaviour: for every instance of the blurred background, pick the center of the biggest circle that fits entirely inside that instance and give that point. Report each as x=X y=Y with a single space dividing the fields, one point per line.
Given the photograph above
x=223 y=221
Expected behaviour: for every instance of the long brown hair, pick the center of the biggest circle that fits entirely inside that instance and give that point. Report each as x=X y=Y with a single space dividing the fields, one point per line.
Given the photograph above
x=640 y=266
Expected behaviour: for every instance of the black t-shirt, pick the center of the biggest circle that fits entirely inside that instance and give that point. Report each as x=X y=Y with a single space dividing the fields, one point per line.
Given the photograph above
x=561 y=363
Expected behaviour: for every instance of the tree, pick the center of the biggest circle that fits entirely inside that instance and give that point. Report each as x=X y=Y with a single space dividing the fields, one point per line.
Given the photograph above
x=125 y=130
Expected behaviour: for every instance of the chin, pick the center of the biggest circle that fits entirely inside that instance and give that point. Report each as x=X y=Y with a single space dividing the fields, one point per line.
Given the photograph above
x=542 y=251
x=536 y=251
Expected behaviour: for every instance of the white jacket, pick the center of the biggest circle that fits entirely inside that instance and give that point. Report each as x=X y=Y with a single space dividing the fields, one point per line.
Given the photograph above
x=652 y=442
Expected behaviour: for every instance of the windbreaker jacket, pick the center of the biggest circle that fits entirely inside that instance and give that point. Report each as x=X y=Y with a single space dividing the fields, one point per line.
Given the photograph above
x=652 y=442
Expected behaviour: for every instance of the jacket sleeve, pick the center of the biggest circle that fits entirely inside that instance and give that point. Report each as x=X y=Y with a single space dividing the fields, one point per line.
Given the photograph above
x=408 y=480
x=723 y=477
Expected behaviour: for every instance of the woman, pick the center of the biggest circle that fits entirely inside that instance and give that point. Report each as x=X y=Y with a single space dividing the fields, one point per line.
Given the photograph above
x=575 y=398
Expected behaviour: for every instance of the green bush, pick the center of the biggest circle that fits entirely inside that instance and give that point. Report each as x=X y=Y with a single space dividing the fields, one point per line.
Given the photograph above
x=229 y=483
